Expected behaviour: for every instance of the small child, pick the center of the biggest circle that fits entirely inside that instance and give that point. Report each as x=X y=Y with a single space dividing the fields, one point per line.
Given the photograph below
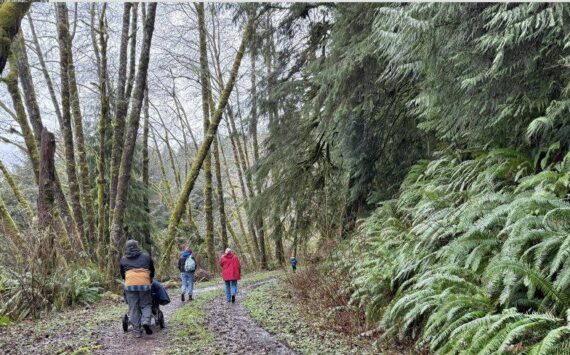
x=293 y=261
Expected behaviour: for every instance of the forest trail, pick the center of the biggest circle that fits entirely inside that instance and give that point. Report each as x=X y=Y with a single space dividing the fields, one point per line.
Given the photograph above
x=115 y=341
x=235 y=331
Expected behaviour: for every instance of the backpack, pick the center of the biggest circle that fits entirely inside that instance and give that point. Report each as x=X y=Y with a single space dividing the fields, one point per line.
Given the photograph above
x=190 y=264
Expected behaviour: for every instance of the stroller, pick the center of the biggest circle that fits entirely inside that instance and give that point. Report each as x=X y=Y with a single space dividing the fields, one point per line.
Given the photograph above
x=159 y=298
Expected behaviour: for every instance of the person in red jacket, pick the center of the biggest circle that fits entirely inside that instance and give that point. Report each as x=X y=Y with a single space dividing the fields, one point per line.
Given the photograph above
x=231 y=271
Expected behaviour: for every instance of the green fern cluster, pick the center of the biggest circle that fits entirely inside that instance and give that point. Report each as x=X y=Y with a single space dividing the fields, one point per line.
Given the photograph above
x=472 y=257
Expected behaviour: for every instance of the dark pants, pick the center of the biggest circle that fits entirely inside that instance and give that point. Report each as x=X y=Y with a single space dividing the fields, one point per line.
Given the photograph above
x=140 y=308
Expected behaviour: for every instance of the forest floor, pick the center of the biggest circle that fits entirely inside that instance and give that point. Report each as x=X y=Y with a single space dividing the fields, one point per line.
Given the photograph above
x=264 y=320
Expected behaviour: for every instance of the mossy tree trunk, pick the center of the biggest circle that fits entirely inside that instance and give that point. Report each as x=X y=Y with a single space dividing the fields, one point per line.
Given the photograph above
x=9 y=227
x=206 y=94
x=85 y=185
x=11 y=81
x=182 y=200
x=11 y=14
x=118 y=128
x=19 y=67
x=25 y=75
x=147 y=242
x=63 y=39
x=237 y=151
x=100 y=49
x=16 y=190
x=130 y=142
x=45 y=72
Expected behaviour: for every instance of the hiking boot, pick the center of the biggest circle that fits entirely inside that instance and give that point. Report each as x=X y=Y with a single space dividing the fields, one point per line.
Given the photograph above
x=182 y=297
x=147 y=329
x=190 y=297
x=233 y=298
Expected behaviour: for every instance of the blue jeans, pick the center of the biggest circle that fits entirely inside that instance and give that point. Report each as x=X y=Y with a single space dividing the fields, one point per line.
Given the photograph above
x=231 y=289
x=187 y=282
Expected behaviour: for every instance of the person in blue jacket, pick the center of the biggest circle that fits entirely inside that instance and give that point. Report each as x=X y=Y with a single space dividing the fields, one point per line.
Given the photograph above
x=187 y=277
x=293 y=262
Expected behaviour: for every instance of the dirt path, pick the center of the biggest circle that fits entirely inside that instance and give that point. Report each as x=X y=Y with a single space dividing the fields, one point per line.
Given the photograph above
x=236 y=332
x=115 y=341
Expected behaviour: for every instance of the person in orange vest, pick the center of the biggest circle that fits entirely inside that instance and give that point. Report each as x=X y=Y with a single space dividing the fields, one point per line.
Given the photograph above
x=137 y=269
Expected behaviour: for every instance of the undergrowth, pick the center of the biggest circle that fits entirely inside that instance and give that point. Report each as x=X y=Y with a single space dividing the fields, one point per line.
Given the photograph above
x=472 y=257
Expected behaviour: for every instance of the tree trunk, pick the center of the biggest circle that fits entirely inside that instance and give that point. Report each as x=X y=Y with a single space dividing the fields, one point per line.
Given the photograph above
x=63 y=39
x=236 y=147
x=130 y=142
x=11 y=14
x=145 y=174
x=250 y=245
x=118 y=128
x=204 y=81
x=19 y=48
x=45 y=72
x=11 y=81
x=133 y=52
x=220 y=195
x=17 y=193
x=9 y=227
x=204 y=148
x=253 y=130
x=101 y=55
x=81 y=152
x=46 y=192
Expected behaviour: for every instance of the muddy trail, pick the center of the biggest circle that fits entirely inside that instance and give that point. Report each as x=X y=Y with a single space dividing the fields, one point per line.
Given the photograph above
x=234 y=330
x=115 y=341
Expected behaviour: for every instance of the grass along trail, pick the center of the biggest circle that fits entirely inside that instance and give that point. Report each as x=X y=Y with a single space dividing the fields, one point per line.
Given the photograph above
x=236 y=332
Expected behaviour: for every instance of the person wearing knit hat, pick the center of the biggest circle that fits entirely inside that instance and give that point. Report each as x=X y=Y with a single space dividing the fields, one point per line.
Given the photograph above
x=137 y=269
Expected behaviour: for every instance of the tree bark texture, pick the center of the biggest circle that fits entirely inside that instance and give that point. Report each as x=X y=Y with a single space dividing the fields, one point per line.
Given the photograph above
x=204 y=81
x=63 y=39
x=130 y=141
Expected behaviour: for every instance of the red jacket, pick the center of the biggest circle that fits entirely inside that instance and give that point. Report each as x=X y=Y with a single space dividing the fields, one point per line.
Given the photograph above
x=231 y=268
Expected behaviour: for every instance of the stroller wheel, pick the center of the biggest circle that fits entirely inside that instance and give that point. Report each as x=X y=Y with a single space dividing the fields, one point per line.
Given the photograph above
x=160 y=319
x=126 y=323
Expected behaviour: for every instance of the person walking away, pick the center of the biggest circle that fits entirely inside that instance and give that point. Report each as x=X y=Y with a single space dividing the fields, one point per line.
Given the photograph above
x=187 y=267
x=231 y=272
x=137 y=269
x=293 y=262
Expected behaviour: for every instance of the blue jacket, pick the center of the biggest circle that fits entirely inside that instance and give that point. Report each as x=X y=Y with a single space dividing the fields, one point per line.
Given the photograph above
x=185 y=254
